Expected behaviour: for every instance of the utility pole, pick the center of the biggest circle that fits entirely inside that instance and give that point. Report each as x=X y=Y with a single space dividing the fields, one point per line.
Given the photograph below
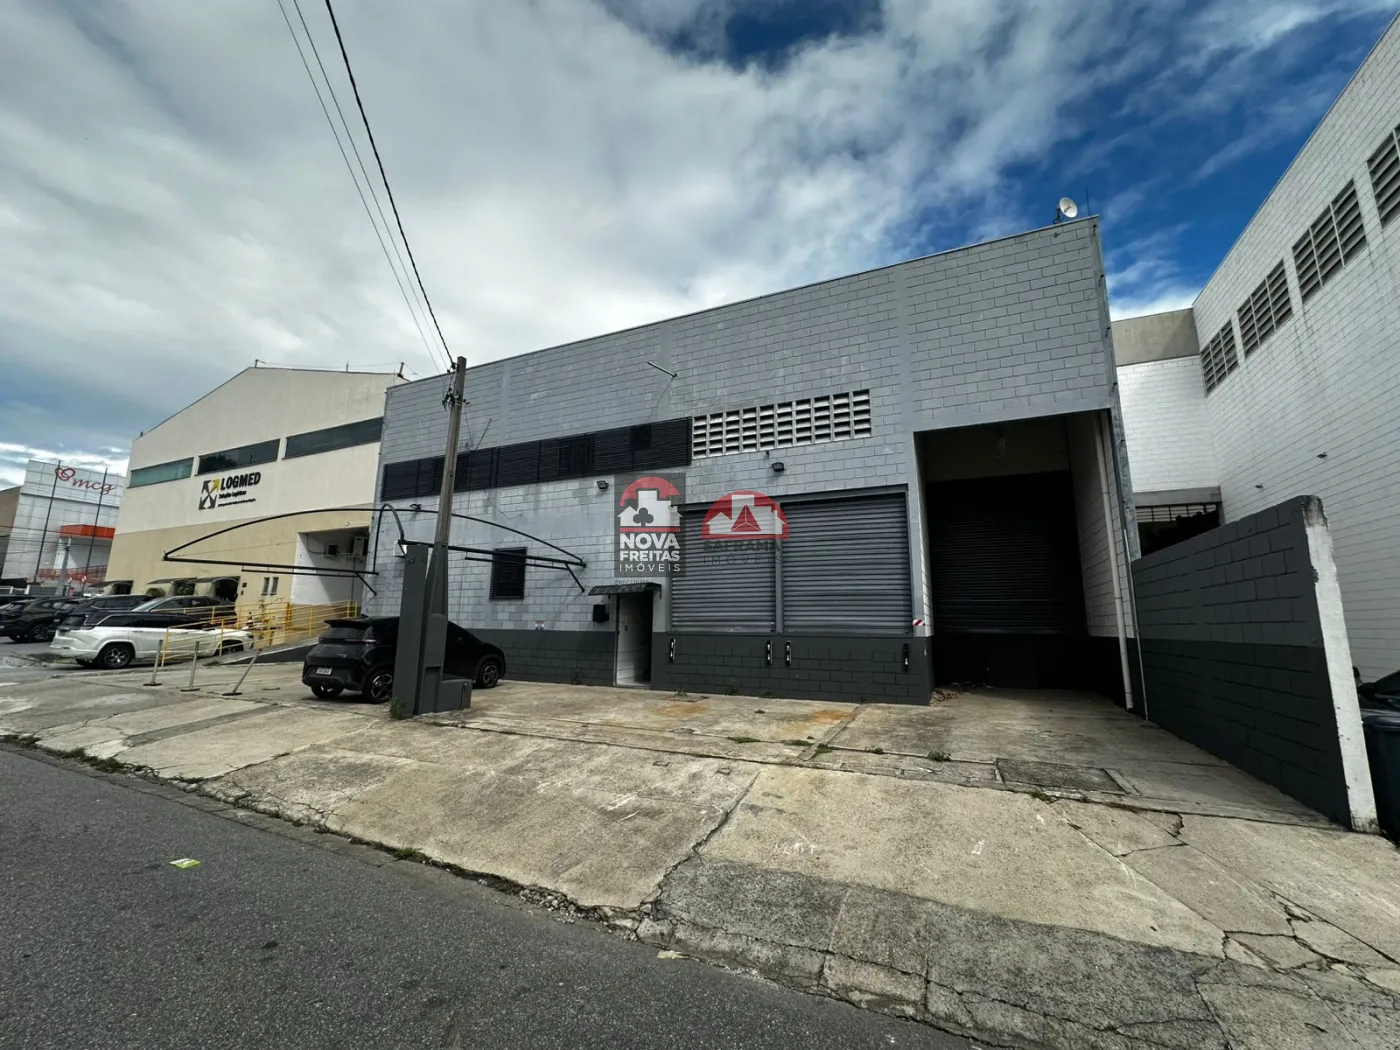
x=420 y=685
x=453 y=403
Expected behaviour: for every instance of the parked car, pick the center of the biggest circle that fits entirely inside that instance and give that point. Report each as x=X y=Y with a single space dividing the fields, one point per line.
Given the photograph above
x=357 y=654
x=91 y=611
x=122 y=639
x=38 y=620
x=202 y=607
x=10 y=605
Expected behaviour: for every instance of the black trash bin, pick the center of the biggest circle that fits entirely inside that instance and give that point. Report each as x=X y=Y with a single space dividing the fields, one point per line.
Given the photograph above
x=1382 y=728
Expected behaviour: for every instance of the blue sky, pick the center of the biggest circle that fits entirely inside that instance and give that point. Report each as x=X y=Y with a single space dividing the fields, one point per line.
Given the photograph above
x=173 y=204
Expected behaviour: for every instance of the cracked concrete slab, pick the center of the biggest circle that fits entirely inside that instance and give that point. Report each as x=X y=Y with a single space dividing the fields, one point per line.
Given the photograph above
x=1283 y=952
x=1302 y=865
x=1273 y=1019
x=213 y=752
x=1056 y=775
x=1118 y=831
x=110 y=735
x=1227 y=899
x=996 y=851
x=1325 y=939
x=601 y=825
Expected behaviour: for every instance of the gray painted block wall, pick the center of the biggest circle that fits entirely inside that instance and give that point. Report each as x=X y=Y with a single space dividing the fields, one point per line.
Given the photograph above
x=1232 y=653
x=1010 y=329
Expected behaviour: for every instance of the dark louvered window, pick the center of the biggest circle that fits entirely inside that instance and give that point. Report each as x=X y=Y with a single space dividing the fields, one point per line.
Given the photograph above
x=648 y=446
x=508 y=573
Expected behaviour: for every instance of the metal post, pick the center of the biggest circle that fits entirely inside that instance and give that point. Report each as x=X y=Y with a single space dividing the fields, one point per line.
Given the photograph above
x=63 y=572
x=1113 y=562
x=235 y=690
x=194 y=666
x=44 y=534
x=96 y=524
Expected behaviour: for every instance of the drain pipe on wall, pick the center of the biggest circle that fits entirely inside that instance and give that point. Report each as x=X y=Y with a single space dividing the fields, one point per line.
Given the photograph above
x=1113 y=561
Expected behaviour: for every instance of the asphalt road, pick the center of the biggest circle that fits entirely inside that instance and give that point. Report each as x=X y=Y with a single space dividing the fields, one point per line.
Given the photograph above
x=283 y=938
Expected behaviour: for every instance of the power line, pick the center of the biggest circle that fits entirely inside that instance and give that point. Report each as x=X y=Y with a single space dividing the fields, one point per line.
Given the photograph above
x=364 y=118
x=403 y=290
x=354 y=146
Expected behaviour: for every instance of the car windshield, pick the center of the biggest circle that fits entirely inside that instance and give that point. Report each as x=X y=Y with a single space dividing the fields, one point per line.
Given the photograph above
x=154 y=603
x=348 y=634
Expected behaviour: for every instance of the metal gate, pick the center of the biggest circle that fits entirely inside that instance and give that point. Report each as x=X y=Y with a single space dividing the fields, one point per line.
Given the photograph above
x=845 y=565
x=1004 y=556
x=725 y=585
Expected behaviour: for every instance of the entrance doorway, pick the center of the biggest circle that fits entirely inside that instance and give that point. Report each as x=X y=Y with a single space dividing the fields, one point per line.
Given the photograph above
x=634 y=638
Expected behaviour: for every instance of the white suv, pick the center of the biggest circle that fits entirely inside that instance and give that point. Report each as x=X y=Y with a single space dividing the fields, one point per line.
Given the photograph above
x=123 y=639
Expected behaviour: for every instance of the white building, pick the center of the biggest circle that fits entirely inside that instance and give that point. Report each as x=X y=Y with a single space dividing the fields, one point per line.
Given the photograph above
x=61 y=531
x=285 y=460
x=1287 y=379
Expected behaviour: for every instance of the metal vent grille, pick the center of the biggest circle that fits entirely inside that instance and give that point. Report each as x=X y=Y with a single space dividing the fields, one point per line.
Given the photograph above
x=1385 y=177
x=1265 y=311
x=1218 y=357
x=1331 y=241
x=808 y=421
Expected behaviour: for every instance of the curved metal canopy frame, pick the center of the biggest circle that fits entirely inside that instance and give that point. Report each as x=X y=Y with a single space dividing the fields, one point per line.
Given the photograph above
x=569 y=562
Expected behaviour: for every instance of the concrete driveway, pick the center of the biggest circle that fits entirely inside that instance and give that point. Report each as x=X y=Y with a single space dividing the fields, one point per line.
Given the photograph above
x=1040 y=868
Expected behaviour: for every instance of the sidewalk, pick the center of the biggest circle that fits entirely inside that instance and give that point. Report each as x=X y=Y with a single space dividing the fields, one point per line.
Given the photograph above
x=1028 y=870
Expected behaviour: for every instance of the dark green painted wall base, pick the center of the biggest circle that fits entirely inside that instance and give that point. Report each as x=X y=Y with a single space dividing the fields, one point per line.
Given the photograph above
x=848 y=668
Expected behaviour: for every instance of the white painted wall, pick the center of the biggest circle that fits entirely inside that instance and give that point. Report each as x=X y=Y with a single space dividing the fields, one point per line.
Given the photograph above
x=1329 y=381
x=1168 y=430
x=260 y=404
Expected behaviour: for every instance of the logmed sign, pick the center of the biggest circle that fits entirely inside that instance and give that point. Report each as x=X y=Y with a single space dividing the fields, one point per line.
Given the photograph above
x=229 y=491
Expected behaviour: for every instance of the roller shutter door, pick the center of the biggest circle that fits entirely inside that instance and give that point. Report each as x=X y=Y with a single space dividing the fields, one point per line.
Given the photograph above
x=1004 y=556
x=726 y=586
x=845 y=566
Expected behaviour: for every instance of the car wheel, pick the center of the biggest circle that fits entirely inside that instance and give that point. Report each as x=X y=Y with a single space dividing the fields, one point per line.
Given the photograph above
x=379 y=687
x=115 y=657
x=488 y=673
x=43 y=632
x=230 y=647
x=327 y=692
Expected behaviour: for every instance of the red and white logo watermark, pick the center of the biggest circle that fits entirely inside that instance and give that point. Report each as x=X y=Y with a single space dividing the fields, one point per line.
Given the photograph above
x=744 y=516
x=649 y=524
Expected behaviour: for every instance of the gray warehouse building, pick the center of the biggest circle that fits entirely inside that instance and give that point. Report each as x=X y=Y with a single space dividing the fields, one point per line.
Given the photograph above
x=941 y=435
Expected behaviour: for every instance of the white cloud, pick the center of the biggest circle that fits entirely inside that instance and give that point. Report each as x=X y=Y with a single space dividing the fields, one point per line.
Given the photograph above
x=174 y=206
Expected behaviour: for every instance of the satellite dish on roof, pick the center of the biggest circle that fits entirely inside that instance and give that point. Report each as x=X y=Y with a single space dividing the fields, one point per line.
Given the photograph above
x=1066 y=209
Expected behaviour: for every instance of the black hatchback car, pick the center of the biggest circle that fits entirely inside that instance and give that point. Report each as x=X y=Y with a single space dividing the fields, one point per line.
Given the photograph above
x=357 y=655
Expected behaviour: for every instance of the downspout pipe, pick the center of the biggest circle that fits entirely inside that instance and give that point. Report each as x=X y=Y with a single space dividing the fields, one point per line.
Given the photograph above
x=1110 y=533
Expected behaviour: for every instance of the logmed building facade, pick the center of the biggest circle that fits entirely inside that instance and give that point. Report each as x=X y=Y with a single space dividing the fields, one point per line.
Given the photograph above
x=262 y=488
x=940 y=438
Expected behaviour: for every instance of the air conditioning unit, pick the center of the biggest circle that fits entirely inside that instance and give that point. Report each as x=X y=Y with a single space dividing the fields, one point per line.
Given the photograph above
x=358 y=546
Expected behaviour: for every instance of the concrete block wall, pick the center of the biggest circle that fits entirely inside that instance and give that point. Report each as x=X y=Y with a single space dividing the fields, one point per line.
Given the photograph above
x=1010 y=329
x=1235 y=658
x=1328 y=383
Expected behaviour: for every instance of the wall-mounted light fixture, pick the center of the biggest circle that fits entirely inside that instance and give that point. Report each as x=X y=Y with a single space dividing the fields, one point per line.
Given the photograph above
x=602 y=484
x=778 y=467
